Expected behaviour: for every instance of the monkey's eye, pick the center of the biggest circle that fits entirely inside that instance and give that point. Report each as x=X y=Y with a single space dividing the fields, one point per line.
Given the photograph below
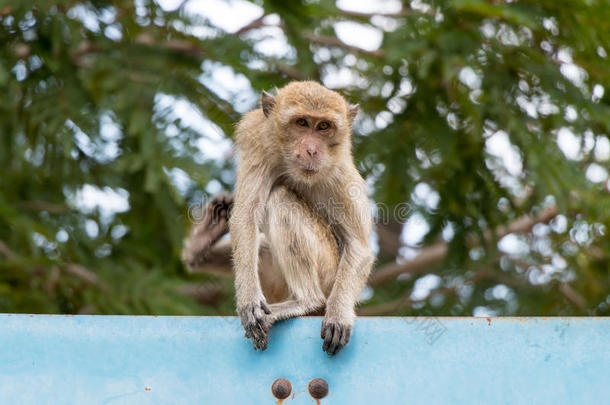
x=302 y=122
x=323 y=126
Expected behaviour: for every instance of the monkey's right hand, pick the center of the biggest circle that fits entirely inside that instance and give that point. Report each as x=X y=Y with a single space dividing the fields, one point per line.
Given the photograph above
x=256 y=322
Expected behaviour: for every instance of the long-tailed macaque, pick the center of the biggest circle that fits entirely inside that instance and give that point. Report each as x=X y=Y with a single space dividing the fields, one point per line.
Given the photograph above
x=300 y=220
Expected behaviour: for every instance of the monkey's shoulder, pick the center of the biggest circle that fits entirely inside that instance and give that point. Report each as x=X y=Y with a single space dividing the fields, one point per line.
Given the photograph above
x=250 y=126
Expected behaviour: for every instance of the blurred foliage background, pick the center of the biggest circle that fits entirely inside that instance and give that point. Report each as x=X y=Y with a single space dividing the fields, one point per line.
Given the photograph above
x=489 y=118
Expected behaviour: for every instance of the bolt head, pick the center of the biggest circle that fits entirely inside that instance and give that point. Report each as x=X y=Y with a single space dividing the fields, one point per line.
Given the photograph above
x=318 y=388
x=281 y=388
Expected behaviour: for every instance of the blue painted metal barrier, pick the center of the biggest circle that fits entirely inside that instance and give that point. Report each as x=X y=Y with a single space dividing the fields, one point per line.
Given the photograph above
x=56 y=359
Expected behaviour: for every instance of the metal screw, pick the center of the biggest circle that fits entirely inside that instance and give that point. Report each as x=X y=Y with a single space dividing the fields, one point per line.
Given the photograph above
x=318 y=388
x=281 y=388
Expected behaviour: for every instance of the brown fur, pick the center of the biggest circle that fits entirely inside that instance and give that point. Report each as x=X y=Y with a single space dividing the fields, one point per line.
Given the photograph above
x=298 y=190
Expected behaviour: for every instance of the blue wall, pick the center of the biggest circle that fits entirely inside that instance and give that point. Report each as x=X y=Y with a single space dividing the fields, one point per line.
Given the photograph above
x=206 y=360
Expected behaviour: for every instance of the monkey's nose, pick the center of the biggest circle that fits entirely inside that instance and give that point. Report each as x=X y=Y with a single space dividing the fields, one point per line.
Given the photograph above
x=312 y=152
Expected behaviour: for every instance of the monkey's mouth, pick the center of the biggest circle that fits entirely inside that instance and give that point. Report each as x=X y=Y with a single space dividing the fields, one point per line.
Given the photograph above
x=310 y=172
x=308 y=169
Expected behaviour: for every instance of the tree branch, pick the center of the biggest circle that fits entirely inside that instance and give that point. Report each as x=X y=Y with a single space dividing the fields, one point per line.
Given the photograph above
x=39 y=205
x=427 y=257
x=435 y=253
x=205 y=293
x=572 y=295
x=257 y=23
x=183 y=47
x=6 y=251
x=333 y=41
x=402 y=13
x=83 y=273
x=289 y=71
x=405 y=301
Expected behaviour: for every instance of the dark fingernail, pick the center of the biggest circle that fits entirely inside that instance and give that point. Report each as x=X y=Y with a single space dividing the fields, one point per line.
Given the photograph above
x=281 y=388
x=318 y=388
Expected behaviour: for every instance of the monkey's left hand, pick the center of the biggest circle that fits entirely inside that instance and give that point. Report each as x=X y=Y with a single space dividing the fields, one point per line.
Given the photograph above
x=256 y=320
x=335 y=335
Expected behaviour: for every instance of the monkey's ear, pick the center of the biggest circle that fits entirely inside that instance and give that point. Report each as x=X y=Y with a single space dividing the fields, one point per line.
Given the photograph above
x=352 y=111
x=267 y=103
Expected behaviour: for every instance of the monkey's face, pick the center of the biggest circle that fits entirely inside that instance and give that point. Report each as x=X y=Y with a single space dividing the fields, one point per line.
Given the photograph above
x=310 y=143
x=313 y=128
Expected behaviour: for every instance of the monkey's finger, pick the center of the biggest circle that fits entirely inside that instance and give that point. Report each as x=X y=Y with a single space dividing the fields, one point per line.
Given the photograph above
x=323 y=330
x=259 y=331
x=261 y=334
x=345 y=336
x=334 y=344
x=260 y=318
x=249 y=323
x=328 y=337
x=255 y=343
x=245 y=322
x=250 y=331
x=256 y=337
x=260 y=342
x=262 y=346
x=265 y=308
x=257 y=314
x=343 y=333
x=224 y=198
x=247 y=318
x=264 y=343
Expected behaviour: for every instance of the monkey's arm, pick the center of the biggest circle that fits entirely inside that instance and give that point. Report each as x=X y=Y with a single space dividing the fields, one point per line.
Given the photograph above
x=352 y=273
x=251 y=192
